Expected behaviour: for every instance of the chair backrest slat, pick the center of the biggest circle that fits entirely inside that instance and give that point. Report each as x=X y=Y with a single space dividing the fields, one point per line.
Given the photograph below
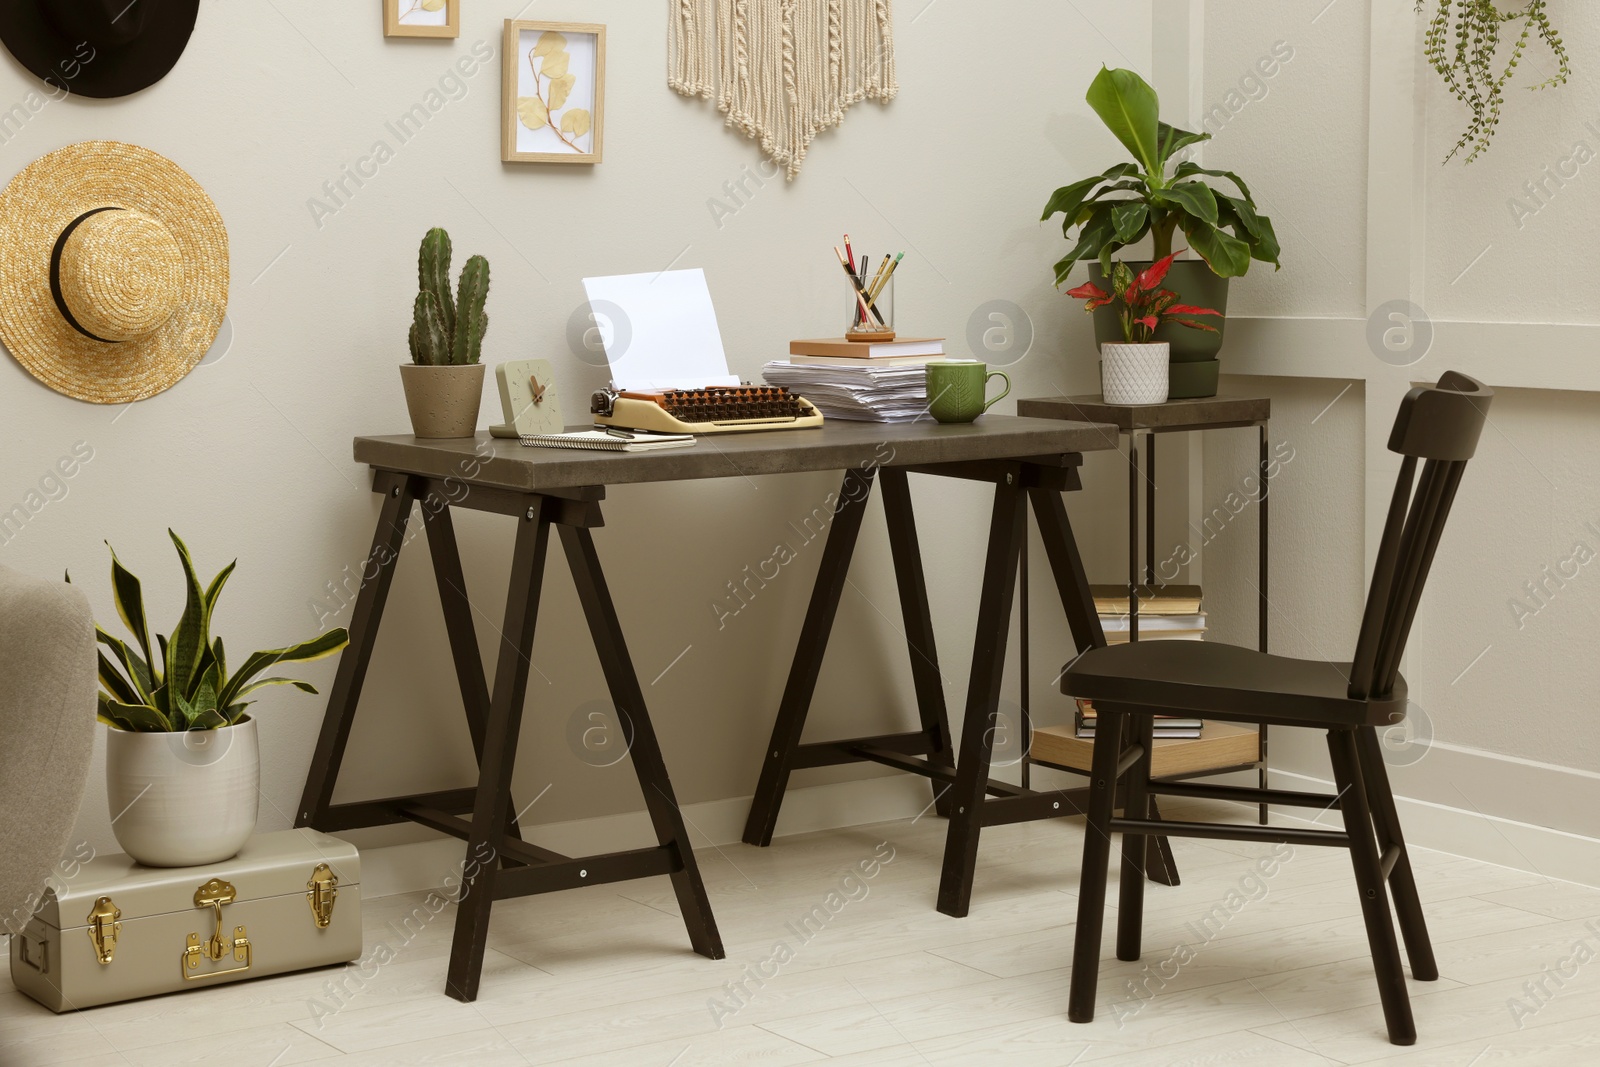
x=1405 y=610
x=1440 y=424
x=1378 y=593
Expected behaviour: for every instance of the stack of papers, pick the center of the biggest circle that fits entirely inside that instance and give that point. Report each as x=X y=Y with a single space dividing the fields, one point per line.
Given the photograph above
x=867 y=393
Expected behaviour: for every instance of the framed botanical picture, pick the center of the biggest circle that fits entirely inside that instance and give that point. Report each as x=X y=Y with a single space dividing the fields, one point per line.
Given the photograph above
x=553 y=92
x=422 y=18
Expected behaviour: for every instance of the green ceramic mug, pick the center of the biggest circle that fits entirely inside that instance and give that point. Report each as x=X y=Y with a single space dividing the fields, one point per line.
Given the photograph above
x=956 y=389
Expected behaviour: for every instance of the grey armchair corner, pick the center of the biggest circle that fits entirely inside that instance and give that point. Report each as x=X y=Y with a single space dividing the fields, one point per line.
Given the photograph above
x=48 y=679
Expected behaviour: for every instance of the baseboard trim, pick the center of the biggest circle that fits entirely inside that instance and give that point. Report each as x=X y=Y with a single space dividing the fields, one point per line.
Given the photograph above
x=1523 y=846
x=421 y=865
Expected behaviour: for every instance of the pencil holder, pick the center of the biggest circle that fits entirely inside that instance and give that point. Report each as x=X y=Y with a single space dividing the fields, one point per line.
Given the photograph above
x=879 y=324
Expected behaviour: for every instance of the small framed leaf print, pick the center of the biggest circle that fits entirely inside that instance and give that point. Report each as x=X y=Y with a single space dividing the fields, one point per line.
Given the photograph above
x=422 y=18
x=553 y=92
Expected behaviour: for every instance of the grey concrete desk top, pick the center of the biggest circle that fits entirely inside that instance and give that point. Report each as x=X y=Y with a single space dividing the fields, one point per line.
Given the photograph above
x=1207 y=412
x=836 y=445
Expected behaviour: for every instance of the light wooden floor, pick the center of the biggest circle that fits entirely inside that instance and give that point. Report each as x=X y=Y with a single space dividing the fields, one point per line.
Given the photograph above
x=605 y=976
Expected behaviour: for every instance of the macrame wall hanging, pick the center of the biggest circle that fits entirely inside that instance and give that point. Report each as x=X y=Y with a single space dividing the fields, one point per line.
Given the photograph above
x=782 y=70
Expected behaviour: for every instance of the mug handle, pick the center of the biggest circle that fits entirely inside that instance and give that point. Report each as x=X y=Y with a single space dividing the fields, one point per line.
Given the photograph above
x=1003 y=393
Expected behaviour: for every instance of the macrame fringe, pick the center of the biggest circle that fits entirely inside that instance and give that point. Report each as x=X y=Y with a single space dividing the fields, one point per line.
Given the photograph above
x=782 y=71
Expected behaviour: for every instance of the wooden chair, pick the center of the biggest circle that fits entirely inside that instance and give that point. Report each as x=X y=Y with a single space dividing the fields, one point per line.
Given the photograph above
x=1438 y=425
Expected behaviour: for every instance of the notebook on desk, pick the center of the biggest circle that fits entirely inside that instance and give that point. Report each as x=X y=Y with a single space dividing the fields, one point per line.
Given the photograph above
x=669 y=373
x=602 y=441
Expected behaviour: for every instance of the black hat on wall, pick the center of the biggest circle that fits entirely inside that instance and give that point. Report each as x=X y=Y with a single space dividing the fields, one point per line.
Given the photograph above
x=98 y=47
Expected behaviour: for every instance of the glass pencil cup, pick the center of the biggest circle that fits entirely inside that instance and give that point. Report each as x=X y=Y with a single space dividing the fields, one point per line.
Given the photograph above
x=872 y=312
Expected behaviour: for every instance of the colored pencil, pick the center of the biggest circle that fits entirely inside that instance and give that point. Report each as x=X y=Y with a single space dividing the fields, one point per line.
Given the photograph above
x=861 y=298
x=885 y=280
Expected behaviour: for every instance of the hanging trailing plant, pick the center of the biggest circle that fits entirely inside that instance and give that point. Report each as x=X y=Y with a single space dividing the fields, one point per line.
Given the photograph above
x=1461 y=44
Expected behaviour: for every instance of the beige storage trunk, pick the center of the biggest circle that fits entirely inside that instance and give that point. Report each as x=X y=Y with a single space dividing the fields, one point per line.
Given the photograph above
x=288 y=901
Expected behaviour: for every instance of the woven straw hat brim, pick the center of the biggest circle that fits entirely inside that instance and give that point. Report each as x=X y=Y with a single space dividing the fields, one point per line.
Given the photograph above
x=34 y=209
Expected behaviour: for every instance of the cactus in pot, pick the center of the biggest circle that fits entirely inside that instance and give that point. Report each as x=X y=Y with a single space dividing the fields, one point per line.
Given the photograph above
x=448 y=332
x=444 y=381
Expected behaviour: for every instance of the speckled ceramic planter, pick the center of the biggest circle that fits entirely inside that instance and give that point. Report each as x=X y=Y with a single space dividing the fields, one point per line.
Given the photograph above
x=443 y=401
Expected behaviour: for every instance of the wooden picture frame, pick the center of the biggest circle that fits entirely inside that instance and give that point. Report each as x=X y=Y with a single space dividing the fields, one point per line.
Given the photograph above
x=571 y=130
x=396 y=14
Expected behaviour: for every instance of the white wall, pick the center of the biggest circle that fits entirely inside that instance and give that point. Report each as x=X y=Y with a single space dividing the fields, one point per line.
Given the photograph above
x=1516 y=755
x=250 y=456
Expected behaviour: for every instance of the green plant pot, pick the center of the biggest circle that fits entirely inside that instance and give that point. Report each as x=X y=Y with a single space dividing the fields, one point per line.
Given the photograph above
x=1192 y=379
x=1195 y=284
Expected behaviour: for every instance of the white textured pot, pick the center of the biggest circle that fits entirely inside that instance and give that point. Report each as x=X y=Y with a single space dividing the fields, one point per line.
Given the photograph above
x=182 y=799
x=1133 y=374
x=443 y=401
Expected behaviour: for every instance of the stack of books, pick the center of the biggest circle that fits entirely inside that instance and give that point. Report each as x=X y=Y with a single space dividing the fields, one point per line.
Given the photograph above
x=1165 y=725
x=866 y=381
x=1166 y=613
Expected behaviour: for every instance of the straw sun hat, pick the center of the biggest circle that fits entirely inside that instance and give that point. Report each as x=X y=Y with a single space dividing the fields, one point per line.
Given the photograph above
x=113 y=271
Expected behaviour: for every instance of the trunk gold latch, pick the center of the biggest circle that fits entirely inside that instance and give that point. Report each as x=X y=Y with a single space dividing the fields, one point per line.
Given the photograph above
x=322 y=891
x=104 y=926
x=214 y=894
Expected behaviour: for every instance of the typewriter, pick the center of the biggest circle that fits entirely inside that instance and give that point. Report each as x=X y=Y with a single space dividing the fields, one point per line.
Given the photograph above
x=716 y=409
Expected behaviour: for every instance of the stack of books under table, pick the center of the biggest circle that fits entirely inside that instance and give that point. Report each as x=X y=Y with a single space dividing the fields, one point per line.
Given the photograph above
x=1183 y=746
x=1166 y=613
x=866 y=381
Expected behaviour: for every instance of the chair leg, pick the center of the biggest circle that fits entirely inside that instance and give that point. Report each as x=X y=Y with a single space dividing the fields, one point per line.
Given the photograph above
x=1159 y=864
x=1402 y=882
x=1369 y=882
x=1136 y=805
x=1092 y=875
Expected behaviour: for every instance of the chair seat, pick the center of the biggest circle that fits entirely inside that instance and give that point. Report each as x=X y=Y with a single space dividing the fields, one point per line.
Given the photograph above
x=1227 y=682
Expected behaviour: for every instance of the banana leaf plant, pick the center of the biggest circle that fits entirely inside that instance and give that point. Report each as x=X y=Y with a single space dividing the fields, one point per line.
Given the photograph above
x=1120 y=206
x=183 y=683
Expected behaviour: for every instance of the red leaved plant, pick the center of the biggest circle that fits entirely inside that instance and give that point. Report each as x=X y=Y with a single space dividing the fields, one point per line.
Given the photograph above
x=1143 y=304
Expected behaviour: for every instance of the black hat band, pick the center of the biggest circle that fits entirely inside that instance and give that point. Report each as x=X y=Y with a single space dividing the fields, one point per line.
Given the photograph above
x=55 y=273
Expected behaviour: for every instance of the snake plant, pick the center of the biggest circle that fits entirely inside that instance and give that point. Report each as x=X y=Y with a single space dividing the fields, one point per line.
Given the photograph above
x=183 y=683
x=1120 y=206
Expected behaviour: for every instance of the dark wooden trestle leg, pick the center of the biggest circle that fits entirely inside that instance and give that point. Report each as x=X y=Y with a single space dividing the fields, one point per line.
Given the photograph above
x=925 y=676
x=802 y=683
x=489 y=814
x=463 y=633
x=648 y=763
x=1006 y=527
x=376 y=578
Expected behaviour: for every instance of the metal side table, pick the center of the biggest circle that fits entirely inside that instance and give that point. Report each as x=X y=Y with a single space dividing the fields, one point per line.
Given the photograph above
x=1146 y=421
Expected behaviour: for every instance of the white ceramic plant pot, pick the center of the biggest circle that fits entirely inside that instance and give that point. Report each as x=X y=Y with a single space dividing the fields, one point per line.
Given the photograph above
x=183 y=799
x=1133 y=374
x=443 y=401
